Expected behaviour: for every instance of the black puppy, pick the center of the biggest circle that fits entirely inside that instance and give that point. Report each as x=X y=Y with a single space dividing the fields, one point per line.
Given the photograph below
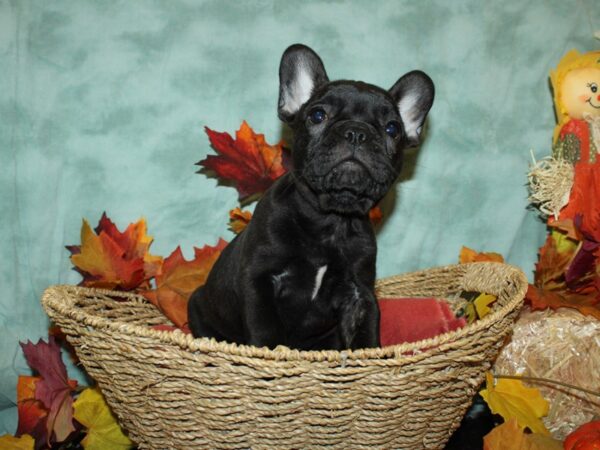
x=302 y=273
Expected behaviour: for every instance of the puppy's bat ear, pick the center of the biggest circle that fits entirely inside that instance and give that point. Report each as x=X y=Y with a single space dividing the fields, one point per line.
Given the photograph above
x=301 y=71
x=413 y=94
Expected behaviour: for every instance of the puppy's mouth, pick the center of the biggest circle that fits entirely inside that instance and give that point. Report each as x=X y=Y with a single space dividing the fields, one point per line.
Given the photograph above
x=348 y=188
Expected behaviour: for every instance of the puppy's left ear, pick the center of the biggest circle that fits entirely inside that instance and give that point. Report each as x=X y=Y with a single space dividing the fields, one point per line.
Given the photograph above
x=301 y=71
x=413 y=94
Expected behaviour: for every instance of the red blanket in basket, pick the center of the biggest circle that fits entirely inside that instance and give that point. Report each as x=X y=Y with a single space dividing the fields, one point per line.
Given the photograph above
x=413 y=319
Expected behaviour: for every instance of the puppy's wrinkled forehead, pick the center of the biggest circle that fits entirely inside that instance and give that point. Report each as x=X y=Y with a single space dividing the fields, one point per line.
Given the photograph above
x=355 y=98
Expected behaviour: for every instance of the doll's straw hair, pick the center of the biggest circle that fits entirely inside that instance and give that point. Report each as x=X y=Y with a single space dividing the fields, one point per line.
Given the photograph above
x=571 y=61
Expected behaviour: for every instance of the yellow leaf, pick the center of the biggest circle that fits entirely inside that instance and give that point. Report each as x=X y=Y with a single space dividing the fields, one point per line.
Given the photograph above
x=563 y=243
x=510 y=436
x=511 y=399
x=482 y=304
x=8 y=442
x=103 y=430
x=470 y=313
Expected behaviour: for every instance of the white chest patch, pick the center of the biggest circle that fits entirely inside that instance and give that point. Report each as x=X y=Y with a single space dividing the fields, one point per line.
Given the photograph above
x=318 y=280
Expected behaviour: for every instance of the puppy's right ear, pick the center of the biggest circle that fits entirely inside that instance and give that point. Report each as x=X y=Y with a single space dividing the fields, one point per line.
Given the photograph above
x=301 y=71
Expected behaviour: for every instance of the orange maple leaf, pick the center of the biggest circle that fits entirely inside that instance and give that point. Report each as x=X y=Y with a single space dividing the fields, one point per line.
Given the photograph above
x=248 y=161
x=468 y=255
x=376 y=215
x=239 y=219
x=179 y=278
x=552 y=264
x=110 y=259
x=542 y=299
x=510 y=436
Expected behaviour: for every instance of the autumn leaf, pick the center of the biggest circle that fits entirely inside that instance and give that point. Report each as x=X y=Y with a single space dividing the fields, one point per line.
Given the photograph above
x=566 y=227
x=239 y=219
x=468 y=255
x=180 y=278
x=581 y=271
x=510 y=436
x=553 y=263
x=551 y=289
x=31 y=412
x=8 y=442
x=478 y=307
x=511 y=399
x=103 y=431
x=248 y=162
x=376 y=215
x=540 y=299
x=482 y=304
x=54 y=388
x=110 y=259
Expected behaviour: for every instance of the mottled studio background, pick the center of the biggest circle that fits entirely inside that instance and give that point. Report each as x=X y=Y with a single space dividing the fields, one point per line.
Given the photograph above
x=102 y=108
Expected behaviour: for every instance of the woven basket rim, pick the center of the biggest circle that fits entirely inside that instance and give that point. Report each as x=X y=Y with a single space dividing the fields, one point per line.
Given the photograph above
x=65 y=306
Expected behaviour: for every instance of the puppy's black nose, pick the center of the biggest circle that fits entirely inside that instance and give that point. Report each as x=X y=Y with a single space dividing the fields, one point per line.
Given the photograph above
x=355 y=137
x=356 y=134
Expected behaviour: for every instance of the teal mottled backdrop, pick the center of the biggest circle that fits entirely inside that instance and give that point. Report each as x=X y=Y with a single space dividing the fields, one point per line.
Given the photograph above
x=102 y=108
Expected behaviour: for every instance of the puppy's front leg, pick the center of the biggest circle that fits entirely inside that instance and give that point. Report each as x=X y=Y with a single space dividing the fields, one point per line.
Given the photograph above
x=262 y=326
x=359 y=324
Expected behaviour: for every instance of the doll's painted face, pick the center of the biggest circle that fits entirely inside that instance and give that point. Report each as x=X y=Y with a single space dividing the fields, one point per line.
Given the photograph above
x=581 y=92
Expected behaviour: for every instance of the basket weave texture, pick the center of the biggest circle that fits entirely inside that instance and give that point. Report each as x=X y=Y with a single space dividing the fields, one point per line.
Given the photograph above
x=171 y=391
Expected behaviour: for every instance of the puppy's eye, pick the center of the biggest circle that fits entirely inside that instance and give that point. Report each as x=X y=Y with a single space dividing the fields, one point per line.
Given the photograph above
x=317 y=116
x=392 y=129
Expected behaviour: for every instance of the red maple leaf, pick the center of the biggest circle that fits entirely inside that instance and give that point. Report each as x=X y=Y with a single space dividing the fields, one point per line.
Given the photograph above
x=248 y=162
x=53 y=389
x=179 y=278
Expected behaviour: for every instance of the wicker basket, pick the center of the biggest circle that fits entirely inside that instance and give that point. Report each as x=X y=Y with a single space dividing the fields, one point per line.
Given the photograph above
x=172 y=391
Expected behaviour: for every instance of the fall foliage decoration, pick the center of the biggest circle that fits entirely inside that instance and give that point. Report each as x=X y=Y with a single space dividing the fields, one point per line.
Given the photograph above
x=247 y=161
x=24 y=442
x=179 y=278
x=468 y=255
x=51 y=389
x=511 y=399
x=103 y=431
x=108 y=258
x=52 y=411
x=567 y=272
x=239 y=219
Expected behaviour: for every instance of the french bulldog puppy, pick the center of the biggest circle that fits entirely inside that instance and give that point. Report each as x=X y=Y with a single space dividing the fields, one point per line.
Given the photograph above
x=302 y=273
